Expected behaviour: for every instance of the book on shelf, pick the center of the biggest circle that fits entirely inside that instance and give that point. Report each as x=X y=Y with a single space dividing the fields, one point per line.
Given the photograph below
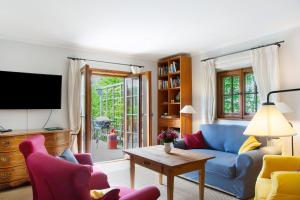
x=163 y=70
x=175 y=82
x=174 y=67
x=162 y=84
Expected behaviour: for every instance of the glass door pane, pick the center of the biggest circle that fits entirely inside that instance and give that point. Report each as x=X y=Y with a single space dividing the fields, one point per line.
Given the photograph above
x=132 y=112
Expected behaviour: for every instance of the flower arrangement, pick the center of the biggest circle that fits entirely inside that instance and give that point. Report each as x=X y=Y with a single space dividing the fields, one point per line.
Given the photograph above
x=167 y=136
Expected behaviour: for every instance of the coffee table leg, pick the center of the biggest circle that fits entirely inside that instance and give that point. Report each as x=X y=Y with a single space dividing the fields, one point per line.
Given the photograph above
x=201 y=182
x=160 y=179
x=132 y=172
x=170 y=186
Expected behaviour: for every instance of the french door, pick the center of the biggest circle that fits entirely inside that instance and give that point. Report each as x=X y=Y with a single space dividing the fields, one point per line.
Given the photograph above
x=137 y=109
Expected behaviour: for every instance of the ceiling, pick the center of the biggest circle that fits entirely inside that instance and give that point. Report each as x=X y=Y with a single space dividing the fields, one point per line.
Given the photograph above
x=145 y=28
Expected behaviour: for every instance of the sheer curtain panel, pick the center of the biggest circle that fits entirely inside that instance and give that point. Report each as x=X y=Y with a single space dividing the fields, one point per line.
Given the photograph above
x=207 y=92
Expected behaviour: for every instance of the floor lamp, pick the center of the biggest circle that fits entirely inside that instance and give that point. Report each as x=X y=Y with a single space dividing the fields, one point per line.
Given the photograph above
x=187 y=110
x=284 y=109
x=270 y=122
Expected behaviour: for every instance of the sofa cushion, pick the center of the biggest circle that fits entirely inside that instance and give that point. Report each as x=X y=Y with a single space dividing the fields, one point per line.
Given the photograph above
x=195 y=141
x=250 y=144
x=222 y=137
x=223 y=164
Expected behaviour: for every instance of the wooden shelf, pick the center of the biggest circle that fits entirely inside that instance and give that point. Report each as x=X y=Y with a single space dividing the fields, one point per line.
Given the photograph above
x=174 y=73
x=181 y=63
x=163 y=76
x=175 y=88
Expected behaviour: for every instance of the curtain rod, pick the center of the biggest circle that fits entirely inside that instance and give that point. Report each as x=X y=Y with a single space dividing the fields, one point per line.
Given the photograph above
x=101 y=61
x=227 y=54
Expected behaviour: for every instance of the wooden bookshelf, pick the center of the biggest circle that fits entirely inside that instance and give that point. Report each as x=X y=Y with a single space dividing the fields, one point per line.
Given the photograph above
x=174 y=76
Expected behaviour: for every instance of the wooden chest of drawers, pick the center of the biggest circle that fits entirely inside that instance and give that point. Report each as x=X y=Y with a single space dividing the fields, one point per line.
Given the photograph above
x=13 y=170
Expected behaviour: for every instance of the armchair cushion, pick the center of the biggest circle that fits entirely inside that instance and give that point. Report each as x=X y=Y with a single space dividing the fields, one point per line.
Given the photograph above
x=109 y=194
x=68 y=156
x=285 y=185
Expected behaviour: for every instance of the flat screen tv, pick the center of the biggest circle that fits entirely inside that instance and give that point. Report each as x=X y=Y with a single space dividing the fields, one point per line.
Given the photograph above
x=29 y=91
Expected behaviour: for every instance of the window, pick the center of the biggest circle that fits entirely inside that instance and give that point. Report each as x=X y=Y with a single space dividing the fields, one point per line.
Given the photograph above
x=236 y=94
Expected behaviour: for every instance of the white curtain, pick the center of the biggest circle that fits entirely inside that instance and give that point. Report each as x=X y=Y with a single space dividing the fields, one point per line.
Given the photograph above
x=265 y=65
x=207 y=92
x=74 y=86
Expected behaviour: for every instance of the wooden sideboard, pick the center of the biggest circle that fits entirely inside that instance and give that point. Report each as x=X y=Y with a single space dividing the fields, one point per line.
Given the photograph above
x=13 y=170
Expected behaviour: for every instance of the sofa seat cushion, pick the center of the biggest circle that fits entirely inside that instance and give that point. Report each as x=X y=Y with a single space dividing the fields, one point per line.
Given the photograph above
x=223 y=164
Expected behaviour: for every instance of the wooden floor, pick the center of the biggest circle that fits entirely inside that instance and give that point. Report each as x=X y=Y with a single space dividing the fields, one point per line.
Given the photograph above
x=118 y=173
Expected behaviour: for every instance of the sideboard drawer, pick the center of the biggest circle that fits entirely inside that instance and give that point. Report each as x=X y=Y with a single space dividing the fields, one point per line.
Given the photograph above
x=54 y=139
x=11 y=159
x=13 y=174
x=8 y=144
x=56 y=150
x=148 y=164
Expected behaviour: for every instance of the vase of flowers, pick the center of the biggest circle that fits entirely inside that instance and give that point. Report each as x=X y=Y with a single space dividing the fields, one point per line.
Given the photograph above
x=167 y=137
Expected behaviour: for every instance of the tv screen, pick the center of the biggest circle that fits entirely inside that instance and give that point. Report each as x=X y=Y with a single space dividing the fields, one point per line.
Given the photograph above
x=29 y=91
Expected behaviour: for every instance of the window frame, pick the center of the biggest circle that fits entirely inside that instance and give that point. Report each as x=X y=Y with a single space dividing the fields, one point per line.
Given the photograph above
x=242 y=115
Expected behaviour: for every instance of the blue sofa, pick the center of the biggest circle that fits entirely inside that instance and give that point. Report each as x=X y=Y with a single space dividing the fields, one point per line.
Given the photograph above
x=229 y=171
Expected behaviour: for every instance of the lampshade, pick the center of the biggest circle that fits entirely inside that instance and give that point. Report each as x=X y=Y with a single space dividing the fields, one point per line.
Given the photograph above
x=188 y=109
x=269 y=122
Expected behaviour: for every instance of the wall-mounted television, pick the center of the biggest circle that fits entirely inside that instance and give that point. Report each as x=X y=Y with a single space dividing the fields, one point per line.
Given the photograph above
x=29 y=91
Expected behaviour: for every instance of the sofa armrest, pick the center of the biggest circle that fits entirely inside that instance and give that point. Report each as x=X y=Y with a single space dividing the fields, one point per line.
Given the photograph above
x=249 y=163
x=179 y=144
x=84 y=158
x=273 y=163
x=285 y=185
x=149 y=193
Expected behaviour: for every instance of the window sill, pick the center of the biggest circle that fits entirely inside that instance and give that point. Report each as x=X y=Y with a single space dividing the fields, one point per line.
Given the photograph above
x=235 y=118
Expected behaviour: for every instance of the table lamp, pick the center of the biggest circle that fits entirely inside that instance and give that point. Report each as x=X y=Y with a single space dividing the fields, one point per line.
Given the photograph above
x=270 y=122
x=188 y=109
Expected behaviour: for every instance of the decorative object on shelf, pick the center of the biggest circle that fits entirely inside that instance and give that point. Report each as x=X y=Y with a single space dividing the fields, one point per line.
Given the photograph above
x=177 y=98
x=269 y=121
x=167 y=137
x=172 y=101
x=187 y=110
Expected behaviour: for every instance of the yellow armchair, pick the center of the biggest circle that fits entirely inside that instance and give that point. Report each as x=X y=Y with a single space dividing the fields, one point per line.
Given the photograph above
x=279 y=178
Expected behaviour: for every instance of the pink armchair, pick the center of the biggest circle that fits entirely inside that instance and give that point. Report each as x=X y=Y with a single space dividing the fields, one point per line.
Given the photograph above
x=36 y=144
x=55 y=179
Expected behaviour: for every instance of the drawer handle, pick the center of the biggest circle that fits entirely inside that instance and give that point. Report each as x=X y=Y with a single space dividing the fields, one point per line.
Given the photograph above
x=146 y=163
x=4 y=159
x=5 y=143
x=4 y=175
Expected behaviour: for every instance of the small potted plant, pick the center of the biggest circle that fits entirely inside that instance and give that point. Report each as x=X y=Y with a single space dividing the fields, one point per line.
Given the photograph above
x=167 y=137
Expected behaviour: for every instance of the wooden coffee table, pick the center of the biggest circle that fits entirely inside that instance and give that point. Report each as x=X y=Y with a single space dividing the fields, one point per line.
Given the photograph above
x=175 y=163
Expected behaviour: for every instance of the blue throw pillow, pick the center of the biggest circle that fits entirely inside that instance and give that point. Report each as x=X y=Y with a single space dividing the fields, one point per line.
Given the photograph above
x=68 y=156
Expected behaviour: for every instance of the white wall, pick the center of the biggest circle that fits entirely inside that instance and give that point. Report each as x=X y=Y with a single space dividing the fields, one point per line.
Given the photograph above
x=22 y=57
x=289 y=56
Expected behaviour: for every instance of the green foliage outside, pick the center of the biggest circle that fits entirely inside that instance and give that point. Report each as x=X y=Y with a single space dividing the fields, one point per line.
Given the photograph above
x=231 y=85
x=112 y=100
